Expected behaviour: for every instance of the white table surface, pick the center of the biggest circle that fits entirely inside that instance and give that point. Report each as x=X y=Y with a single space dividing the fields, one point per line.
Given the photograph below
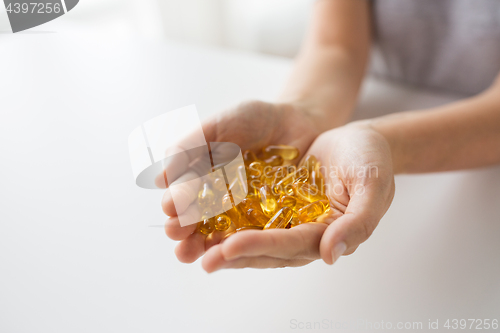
x=76 y=250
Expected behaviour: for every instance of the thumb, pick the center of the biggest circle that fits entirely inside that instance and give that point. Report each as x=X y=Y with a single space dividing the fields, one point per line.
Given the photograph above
x=362 y=215
x=182 y=154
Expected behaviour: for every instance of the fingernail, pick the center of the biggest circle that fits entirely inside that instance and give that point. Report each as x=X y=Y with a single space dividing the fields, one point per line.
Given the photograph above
x=337 y=251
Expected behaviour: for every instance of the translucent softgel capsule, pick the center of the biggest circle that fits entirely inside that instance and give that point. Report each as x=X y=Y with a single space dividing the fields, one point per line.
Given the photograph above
x=292 y=202
x=285 y=185
x=309 y=162
x=222 y=222
x=268 y=175
x=233 y=213
x=254 y=186
x=257 y=217
x=273 y=175
x=308 y=192
x=206 y=195
x=219 y=184
x=287 y=152
x=255 y=170
x=242 y=179
x=274 y=160
x=313 y=210
x=295 y=221
x=280 y=194
x=206 y=226
x=250 y=203
x=316 y=179
x=267 y=200
x=207 y=213
x=249 y=157
x=281 y=219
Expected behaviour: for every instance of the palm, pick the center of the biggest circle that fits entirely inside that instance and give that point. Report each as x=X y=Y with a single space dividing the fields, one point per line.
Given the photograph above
x=252 y=126
x=358 y=201
x=360 y=183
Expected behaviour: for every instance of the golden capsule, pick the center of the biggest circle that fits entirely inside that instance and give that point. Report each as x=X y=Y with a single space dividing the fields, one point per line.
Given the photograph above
x=227 y=201
x=231 y=211
x=237 y=217
x=287 y=152
x=243 y=219
x=207 y=213
x=242 y=178
x=313 y=210
x=316 y=177
x=228 y=232
x=292 y=202
x=268 y=174
x=206 y=195
x=220 y=184
x=308 y=192
x=248 y=227
x=254 y=186
x=206 y=226
x=249 y=157
x=250 y=203
x=217 y=205
x=255 y=170
x=222 y=222
x=280 y=195
x=309 y=162
x=285 y=185
x=281 y=219
x=326 y=205
x=267 y=200
x=275 y=160
x=278 y=174
x=316 y=180
x=257 y=217
x=295 y=221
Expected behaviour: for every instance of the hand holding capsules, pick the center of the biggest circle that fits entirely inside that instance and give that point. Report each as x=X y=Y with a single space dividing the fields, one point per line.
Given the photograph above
x=251 y=125
x=357 y=166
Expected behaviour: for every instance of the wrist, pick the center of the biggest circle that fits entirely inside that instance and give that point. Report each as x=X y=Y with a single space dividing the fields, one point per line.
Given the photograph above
x=388 y=129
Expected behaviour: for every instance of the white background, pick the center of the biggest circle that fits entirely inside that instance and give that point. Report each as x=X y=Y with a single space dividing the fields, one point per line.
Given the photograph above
x=76 y=250
x=269 y=26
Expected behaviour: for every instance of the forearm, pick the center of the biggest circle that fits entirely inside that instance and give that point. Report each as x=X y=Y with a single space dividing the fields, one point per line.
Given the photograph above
x=325 y=83
x=460 y=135
x=330 y=67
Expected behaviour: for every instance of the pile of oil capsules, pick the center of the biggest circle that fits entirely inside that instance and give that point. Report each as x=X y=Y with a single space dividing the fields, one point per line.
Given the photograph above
x=280 y=194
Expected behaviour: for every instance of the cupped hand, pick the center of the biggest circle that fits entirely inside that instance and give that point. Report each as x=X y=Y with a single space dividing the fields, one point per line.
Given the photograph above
x=252 y=126
x=357 y=165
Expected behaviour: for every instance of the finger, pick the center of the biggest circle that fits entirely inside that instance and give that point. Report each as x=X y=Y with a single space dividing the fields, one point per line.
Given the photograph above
x=174 y=230
x=331 y=216
x=173 y=167
x=214 y=238
x=180 y=156
x=347 y=232
x=191 y=248
x=185 y=194
x=214 y=260
x=299 y=242
x=336 y=191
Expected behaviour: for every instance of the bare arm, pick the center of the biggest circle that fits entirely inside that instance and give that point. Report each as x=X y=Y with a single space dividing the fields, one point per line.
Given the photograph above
x=460 y=135
x=331 y=64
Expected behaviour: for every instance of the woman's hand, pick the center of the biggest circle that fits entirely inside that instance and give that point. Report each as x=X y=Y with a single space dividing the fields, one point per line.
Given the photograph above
x=252 y=125
x=357 y=166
